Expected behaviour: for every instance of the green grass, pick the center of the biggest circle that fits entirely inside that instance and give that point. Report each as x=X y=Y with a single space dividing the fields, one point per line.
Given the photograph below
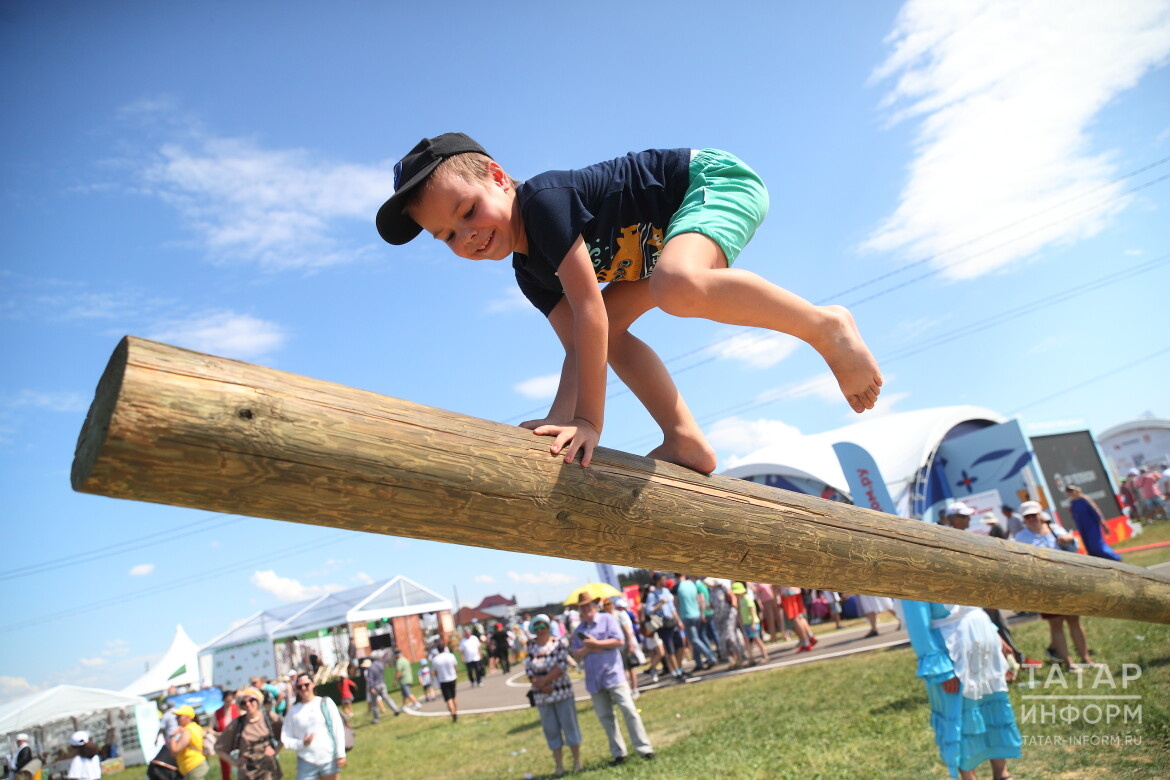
x=863 y=716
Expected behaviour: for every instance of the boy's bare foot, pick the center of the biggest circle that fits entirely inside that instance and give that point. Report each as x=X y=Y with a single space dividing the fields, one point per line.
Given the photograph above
x=849 y=359
x=691 y=453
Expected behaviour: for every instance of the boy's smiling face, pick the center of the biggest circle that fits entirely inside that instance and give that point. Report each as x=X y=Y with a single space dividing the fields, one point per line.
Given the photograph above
x=477 y=220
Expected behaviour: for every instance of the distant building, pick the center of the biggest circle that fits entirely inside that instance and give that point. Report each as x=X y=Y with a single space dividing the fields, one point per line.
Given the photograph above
x=1137 y=443
x=498 y=606
x=467 y=614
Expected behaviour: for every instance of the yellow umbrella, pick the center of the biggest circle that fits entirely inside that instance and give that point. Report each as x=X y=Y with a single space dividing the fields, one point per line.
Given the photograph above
x=598 y=590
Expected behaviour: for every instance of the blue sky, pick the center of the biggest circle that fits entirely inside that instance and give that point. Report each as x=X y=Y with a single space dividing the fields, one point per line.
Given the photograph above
x=985 y=187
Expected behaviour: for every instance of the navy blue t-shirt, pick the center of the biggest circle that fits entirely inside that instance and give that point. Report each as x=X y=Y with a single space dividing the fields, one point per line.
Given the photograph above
x=620 y=207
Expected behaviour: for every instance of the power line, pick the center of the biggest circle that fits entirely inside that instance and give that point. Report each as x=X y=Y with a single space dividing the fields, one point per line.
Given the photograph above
x=130 y=545
x=1107 y=375
x=114 y=601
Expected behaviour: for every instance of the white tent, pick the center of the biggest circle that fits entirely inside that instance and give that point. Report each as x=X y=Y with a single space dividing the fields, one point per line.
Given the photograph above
x=53 y=714
x=179 y=667
x=249 y=649
x=903 y=444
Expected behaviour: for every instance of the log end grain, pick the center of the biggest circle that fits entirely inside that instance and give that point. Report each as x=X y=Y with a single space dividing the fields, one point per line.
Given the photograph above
x=92 y=438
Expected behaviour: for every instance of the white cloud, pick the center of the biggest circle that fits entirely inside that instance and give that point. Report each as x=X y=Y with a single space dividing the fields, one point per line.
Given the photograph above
x=1004 y=95
x=89 y=663
x=116 y=648
x=484 y=579
x=141 y=570
x=733 y=434
x=823 y=386
x=14 y=687
x=542 y=578
x=539 y=387
x=288 y=589
x=1046 y=345
x=52 y=402
x=278 y=208
x=510 y=300
x=224 y=333
x=363 y=578
x=760 y=349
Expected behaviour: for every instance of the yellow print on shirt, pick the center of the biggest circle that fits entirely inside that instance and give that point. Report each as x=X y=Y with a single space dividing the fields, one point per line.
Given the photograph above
x=638 y=248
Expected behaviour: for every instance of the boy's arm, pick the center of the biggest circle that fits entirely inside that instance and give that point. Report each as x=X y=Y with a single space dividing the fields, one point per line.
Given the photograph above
x=565 y=402
x=591 y=343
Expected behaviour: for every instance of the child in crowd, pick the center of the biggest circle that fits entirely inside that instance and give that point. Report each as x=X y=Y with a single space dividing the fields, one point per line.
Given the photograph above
x=425 y=680
x=749 y=618
x=667 y=223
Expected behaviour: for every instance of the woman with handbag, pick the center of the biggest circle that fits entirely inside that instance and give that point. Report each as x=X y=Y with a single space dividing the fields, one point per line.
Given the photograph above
x=252 y=740
x=1040 y=531
x=547 y=667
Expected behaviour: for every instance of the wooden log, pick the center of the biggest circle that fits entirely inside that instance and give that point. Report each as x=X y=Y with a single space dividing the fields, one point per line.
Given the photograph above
x=177 y=427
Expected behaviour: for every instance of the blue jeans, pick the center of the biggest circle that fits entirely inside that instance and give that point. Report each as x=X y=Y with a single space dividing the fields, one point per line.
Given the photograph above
x=559 y=722
x=698 y=644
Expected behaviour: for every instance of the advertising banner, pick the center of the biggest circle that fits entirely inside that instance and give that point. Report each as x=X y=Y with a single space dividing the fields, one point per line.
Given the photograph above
x=864 y=479
x=993 y=458
x=1073 y=459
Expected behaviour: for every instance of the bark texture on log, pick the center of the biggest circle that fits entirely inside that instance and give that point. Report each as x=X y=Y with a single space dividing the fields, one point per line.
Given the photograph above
x=172 y=426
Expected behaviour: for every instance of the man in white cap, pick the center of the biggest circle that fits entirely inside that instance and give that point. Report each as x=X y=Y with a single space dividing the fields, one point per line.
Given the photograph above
x=22 y=757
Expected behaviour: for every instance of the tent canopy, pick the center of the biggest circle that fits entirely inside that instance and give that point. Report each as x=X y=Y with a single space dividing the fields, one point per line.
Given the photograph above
x=59 y=703
x=903 y=445
x=179 y=667
x=393 y=598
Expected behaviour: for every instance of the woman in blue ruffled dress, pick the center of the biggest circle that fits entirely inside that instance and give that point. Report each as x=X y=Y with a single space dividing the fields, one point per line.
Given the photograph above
x=961 y=658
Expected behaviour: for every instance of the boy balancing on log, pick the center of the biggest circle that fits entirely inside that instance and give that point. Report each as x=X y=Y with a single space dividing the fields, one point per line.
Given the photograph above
x=666 y=223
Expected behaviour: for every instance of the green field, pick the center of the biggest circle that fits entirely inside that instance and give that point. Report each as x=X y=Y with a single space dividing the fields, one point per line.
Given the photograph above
x=863 y=716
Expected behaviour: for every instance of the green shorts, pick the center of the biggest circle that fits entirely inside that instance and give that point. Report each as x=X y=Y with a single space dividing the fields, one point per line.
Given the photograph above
x=726 y=201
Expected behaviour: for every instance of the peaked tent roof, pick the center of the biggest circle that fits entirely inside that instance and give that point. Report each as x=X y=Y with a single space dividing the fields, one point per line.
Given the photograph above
x=393 y=598
x=59 y=703
x=179 y=666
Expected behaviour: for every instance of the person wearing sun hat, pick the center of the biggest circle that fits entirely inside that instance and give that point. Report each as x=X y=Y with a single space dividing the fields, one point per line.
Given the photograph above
x=187 y=745
x=86 y=763
x=595 y=644
x=251 y=741
x=546 y=665
x=1041 y=531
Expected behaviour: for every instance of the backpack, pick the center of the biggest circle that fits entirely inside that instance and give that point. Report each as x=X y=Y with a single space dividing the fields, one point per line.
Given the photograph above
x=163 y=766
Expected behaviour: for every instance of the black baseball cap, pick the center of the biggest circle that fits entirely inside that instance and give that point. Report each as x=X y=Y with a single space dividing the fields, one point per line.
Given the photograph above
x=394 y=226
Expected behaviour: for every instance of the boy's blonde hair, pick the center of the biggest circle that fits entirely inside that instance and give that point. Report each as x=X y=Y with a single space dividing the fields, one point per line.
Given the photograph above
x=469 y=166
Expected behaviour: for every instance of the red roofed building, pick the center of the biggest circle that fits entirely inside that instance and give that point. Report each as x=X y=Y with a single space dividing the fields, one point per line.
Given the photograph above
x=498 y=606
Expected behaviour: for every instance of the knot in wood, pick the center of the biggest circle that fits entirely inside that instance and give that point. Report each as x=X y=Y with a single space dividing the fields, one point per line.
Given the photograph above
x=244 y=414
x=563 y=515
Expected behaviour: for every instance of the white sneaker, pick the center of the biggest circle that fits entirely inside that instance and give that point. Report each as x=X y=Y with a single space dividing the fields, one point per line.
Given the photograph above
x=635 y=694
x=654 y=677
